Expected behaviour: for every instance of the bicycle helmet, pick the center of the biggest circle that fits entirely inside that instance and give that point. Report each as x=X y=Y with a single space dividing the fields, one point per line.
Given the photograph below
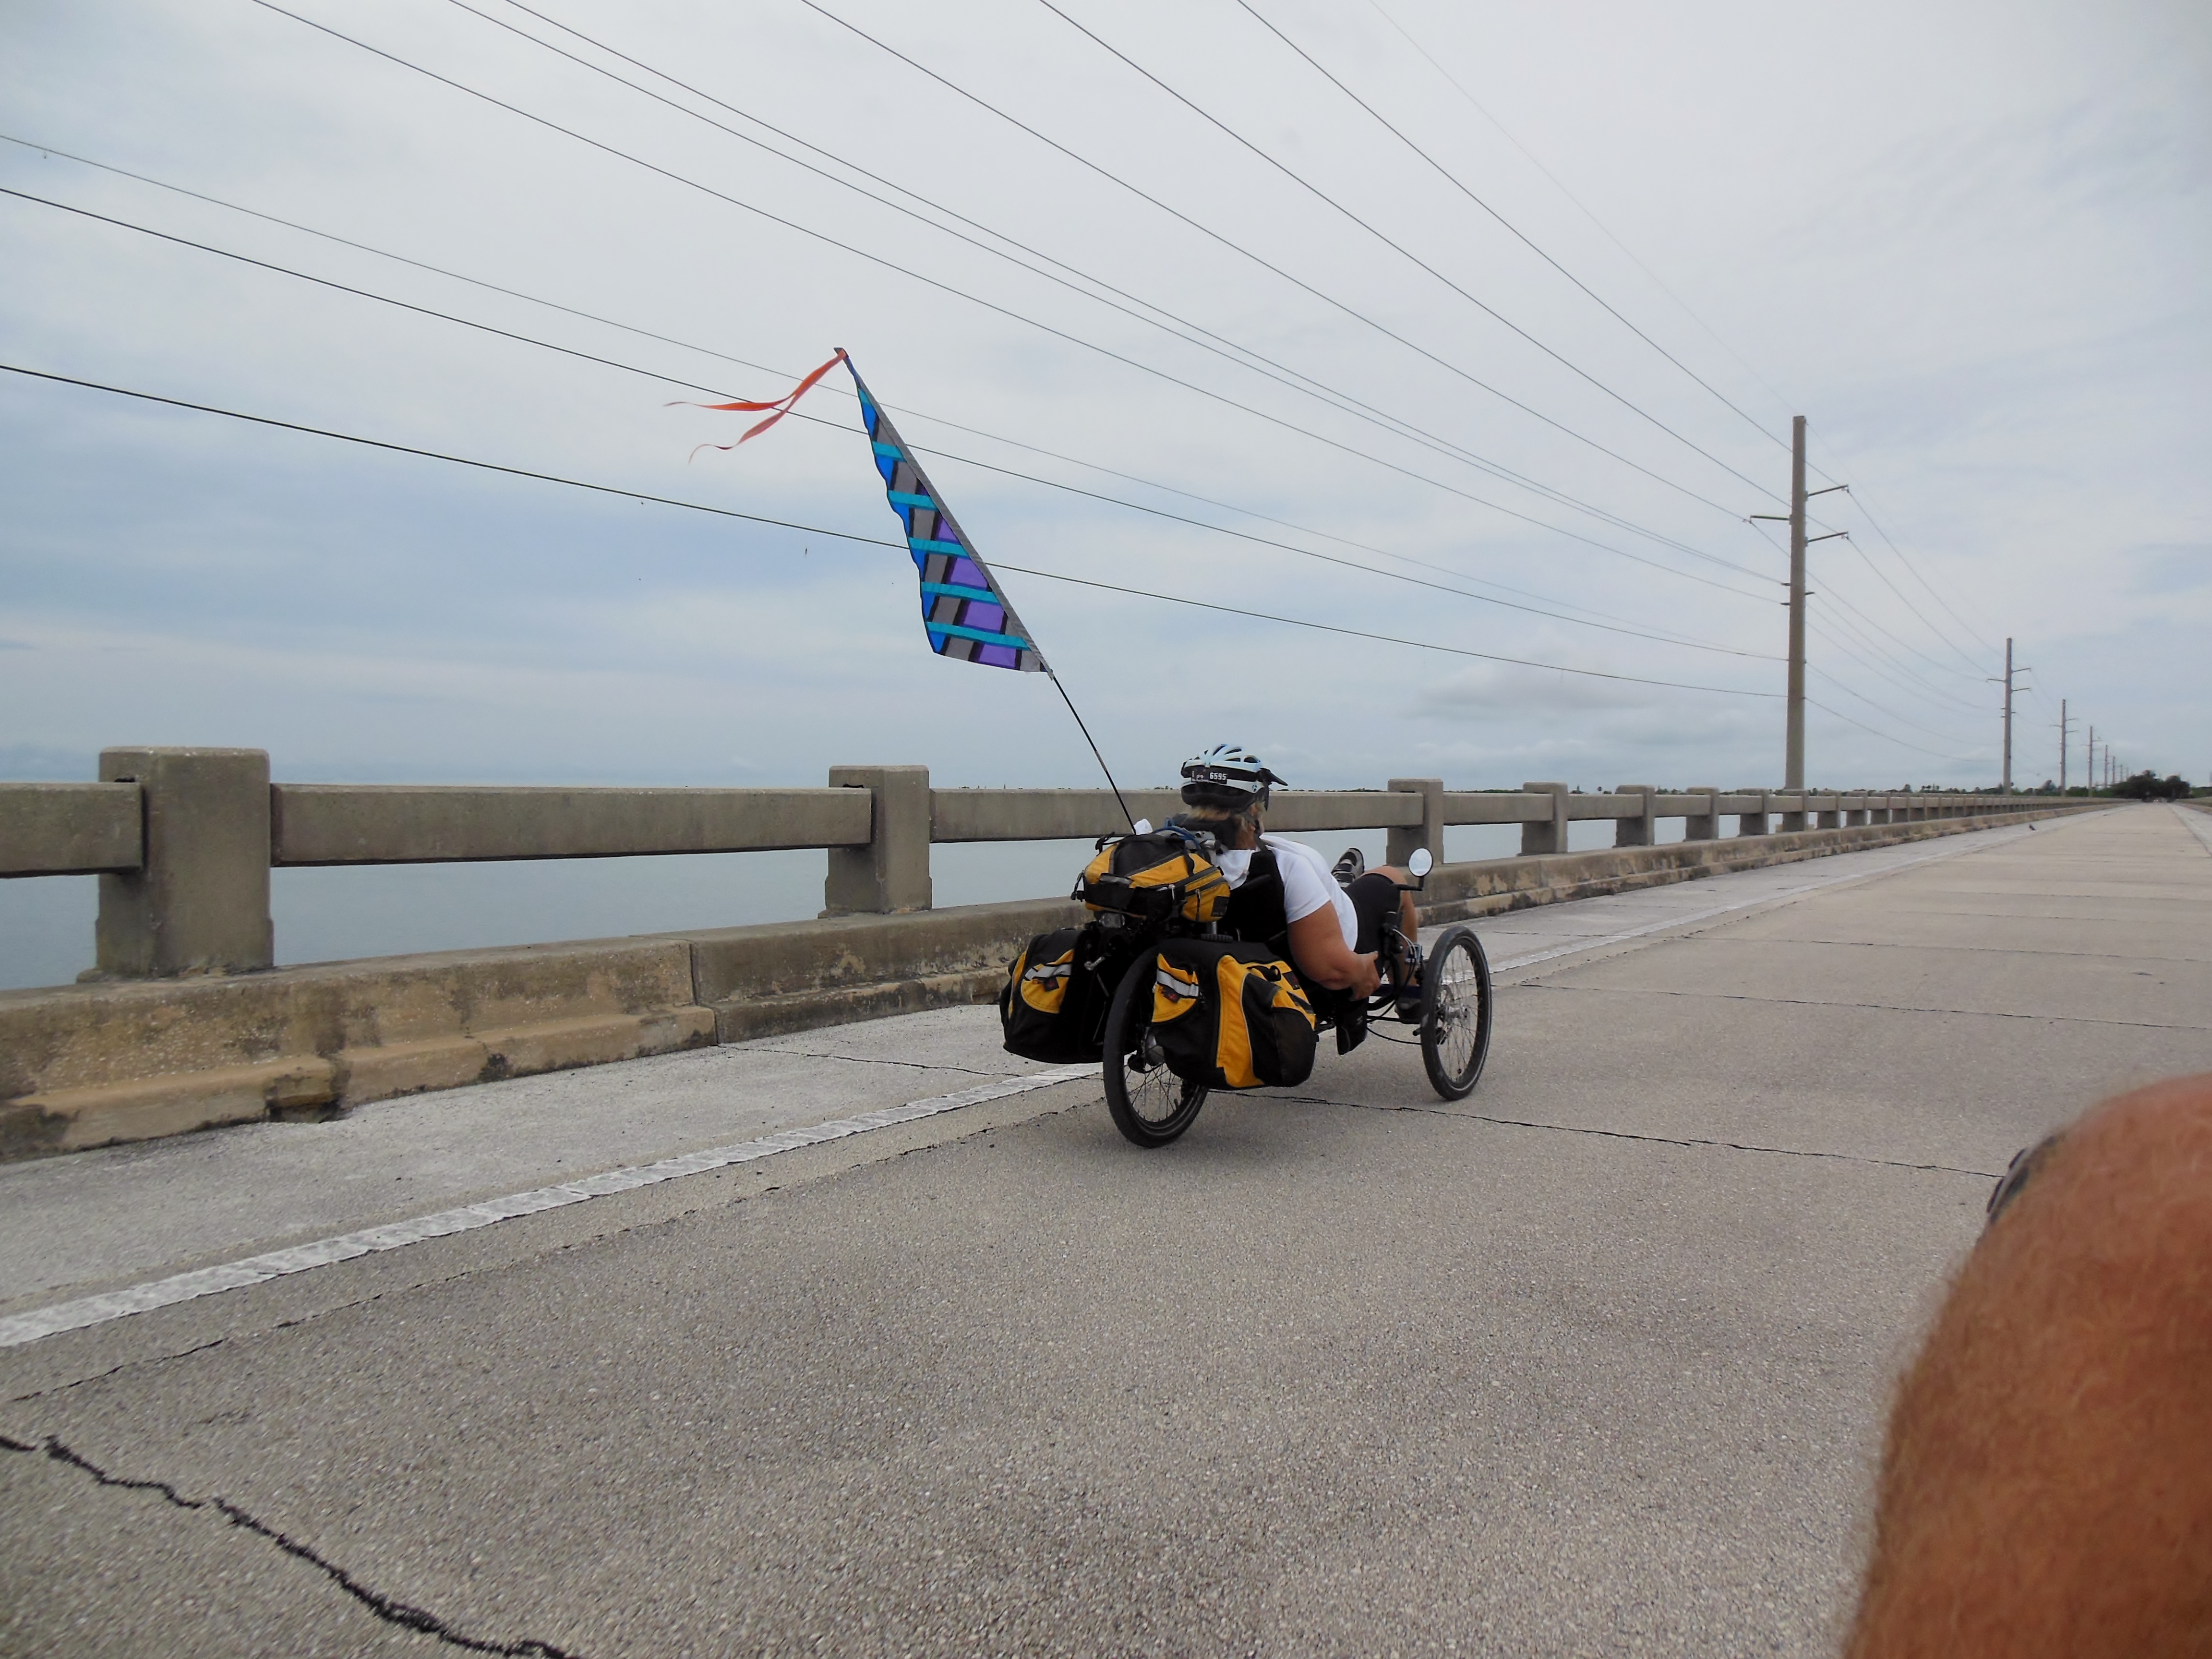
x=1227 y=775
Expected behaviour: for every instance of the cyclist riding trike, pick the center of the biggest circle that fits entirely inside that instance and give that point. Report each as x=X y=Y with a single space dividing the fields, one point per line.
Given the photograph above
x=1184 y=979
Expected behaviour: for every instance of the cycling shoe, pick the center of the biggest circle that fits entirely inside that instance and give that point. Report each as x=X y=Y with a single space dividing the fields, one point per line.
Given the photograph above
x=1350 y=865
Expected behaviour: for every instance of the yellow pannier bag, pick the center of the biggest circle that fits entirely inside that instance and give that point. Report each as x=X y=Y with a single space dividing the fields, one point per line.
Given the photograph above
x=1155 y=877
x=1231 y=1015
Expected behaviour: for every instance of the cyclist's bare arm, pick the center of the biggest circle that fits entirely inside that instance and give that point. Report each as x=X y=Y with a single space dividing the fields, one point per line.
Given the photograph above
x=1318 y=949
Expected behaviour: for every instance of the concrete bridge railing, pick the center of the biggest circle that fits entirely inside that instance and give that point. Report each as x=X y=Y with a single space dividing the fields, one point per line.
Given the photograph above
x=184 y=839
x=186 y=1025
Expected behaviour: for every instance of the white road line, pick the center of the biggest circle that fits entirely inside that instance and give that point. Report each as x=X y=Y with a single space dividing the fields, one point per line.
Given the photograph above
x=259 y=1269
x=1972 y=841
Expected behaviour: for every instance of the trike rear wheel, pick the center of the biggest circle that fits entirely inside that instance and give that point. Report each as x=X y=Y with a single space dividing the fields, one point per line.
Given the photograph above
x=1456 y=1012
x=1150 y=1105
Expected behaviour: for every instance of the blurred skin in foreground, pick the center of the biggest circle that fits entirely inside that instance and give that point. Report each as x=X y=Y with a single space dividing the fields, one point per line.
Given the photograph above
x=2046 y=1485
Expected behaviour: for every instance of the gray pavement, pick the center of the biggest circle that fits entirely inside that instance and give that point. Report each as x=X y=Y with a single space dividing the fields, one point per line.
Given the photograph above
x=1591 y=1362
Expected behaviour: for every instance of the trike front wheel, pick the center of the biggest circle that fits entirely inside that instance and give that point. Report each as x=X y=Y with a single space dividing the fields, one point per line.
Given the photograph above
x=1456 y=1012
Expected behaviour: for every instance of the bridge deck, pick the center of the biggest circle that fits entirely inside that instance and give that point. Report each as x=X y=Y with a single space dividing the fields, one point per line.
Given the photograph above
x=1593 y=1361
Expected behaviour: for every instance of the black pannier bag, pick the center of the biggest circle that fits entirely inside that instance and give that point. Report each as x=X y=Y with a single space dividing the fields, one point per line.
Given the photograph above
x=1052 y=1004
x=1231 y=1015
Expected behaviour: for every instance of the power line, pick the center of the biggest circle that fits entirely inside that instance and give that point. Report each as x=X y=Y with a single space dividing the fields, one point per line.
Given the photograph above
x=1457 y=184
x=1406 y=252
x=1868 y=514
x=1559 y=184
x=1881 y=667
x=782 y=374
x=1862 y=628
x=1887 y=736
x=1392 y=575
x=785 y=373
x=1686 y=310
x=848 y=535
x=1198 y=335
x=1874 y=626
x=1849 y=691
x=1906 y=599
x=974 y=299
x=694 y=385
x=1208 y=231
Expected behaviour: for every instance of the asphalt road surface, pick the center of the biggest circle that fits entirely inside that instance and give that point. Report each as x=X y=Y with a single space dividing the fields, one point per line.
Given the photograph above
x=1593 y=1362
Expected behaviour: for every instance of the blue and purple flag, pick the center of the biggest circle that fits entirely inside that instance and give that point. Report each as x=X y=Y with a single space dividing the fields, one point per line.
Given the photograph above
x=965 y=614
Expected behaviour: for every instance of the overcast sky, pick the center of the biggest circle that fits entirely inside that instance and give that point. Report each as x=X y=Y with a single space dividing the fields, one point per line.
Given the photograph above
x=1968 y=241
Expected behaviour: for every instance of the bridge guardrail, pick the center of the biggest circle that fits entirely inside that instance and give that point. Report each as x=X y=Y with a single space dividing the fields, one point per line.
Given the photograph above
x=184 y=839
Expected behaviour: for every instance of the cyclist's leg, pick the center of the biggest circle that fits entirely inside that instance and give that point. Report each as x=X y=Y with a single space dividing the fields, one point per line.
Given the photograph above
x=1373 y=897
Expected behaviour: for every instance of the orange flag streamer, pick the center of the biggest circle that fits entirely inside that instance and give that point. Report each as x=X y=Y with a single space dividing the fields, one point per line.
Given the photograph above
x=783 y=406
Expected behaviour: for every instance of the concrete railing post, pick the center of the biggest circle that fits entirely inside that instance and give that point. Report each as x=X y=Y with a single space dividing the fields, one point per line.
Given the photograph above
x=1795 y=821
x=1831 y=813
x=1642 y=830
x=1705 y=825
x=199 y=902
x=1546 y=835
x=891 y=874
x=1753 y=824
x=1429 y=832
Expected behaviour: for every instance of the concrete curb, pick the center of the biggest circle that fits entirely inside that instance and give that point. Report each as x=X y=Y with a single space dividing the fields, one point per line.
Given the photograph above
x=92 y=1065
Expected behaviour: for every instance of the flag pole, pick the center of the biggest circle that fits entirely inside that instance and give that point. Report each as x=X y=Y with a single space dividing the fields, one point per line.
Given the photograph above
x=919 y=495
x=1093 y=742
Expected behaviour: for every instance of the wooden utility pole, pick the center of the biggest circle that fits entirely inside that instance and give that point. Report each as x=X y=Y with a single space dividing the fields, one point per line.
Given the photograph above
x=2063 y=738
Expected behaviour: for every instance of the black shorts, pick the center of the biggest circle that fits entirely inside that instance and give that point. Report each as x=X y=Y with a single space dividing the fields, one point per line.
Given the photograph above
x=1373 y=897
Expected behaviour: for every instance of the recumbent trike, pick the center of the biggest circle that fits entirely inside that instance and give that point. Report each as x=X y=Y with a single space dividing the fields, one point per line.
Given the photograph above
x=1161 y=990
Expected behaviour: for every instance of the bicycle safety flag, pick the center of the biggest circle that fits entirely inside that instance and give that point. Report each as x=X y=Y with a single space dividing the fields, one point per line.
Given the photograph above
x=965 y=615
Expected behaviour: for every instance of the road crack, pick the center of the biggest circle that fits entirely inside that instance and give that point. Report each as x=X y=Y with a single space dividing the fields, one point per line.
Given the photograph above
x=390 y=1610
x=1659 y=1141
x=869 y=1059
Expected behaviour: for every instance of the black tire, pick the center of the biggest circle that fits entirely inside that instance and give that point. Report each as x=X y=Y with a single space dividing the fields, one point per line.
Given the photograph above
x=1151 y=1104
x=1456 y=1012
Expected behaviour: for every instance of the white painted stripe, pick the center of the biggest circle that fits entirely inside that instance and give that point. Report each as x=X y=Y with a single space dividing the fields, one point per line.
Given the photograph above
x=275 y=1264
x=1972 y=841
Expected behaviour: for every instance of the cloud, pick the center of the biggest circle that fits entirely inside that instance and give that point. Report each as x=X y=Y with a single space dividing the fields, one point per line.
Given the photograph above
x=1988 y=313
x=2171 y=567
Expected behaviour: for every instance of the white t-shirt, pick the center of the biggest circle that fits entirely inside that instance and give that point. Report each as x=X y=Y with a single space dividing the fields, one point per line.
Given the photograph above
x=1307 y=886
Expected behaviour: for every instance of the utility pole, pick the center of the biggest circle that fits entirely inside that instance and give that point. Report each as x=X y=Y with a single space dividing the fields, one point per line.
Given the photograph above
x=2008 y=757
x=1793 y=744
x=2062 y=745
x=2090 y=762
x=2010 y=671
